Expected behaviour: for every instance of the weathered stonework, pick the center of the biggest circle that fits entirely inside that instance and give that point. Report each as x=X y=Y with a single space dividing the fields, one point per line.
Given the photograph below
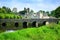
x=16 y=24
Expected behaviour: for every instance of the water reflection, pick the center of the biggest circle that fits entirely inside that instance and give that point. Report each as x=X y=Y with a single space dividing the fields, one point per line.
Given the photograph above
x=9 y=31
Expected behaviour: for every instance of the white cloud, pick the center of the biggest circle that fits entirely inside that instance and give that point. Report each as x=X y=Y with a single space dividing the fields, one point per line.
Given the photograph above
x=36 y=5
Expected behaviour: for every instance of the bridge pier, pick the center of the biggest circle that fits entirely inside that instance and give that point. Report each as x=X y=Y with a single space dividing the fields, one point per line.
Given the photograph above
x=29 y=24
x=14 y=24
x=45 y=23
x=25 y=24
x=36 y=24
x=57 y=22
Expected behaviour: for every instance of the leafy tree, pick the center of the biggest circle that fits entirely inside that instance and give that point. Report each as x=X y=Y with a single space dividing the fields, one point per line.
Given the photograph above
x=11 y=17
x=53 y=13
x=6 y=17
x=8 y=10
x=31 y=11
x=56 y=12
x=22 y=12
x=2 y=10
x=40 y=11
x=43 y=11
x=17 y=17
x=4 y=7
x=2 y=17
x=48 y=13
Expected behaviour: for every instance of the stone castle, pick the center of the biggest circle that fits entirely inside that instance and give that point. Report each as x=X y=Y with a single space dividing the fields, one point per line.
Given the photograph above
x=29 y=19
x=29 y=14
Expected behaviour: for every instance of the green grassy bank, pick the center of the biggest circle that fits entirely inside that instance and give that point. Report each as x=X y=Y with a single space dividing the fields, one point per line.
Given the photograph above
x=48 y=32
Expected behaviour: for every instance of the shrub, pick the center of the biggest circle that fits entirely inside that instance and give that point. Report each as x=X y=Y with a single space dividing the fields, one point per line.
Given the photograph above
x=2 y=17
x=11 y=16
x=7 y=17
x=18 y=17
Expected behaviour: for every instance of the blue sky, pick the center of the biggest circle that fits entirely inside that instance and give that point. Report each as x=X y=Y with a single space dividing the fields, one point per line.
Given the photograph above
x=36 y=5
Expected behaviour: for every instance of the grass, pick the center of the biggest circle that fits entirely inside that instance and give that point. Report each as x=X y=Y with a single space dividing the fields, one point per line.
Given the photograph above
x=48 y=32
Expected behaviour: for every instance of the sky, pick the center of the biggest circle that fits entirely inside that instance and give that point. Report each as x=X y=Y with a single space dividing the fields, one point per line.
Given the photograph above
x=36 y=5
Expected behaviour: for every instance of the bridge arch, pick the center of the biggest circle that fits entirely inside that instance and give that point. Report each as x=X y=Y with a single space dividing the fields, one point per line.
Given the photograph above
x=24 y=24
x=3 y=24
x=57 y=22
x=34 y=24
x=45 y=22
x=16 y=24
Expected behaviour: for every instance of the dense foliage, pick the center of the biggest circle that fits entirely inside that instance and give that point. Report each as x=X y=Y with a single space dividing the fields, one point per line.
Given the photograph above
x=6 y=13
x=9 y=16
x=5 y=10
x=56 y=12
x=48 y=32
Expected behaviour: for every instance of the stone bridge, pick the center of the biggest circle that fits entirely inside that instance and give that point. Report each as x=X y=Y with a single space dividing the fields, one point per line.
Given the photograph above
x=14 y=24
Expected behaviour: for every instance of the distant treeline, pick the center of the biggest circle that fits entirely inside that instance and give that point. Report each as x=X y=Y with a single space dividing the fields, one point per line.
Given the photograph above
x=6 y=12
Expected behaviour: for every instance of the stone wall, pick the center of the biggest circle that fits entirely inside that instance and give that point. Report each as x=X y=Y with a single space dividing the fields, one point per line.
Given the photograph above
x=16 y=24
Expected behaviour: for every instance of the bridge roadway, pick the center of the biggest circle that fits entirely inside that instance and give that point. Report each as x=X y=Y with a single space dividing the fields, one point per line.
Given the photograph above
x=29 y=20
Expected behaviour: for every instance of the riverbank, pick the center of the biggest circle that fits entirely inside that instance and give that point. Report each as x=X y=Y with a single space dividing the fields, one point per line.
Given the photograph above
x=48 y=32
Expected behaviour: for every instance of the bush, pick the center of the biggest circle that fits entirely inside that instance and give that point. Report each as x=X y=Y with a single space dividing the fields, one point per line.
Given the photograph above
x=18 y=17
x=2 y=17
x=9 y=16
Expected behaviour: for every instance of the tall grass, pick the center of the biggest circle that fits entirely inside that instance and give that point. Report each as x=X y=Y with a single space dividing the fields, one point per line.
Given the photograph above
x=48 y=32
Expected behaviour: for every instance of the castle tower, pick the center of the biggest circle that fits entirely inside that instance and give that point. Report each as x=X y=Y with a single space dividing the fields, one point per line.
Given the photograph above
x=28 y=10
x=40 y=14
x=14 y=10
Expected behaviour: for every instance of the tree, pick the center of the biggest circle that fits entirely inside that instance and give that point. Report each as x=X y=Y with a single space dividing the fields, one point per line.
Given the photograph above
x=2 y=10
x=53 y=13
x=23 y=11
x=14 y=10
x=8 y=10
x=43 y=11
x=6 y=17
x=56 y=12
x=47 y=12
x=4 y=7
x=31 y=11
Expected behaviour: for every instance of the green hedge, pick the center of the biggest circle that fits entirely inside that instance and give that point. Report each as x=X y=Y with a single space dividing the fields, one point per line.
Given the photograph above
x=9 y=16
